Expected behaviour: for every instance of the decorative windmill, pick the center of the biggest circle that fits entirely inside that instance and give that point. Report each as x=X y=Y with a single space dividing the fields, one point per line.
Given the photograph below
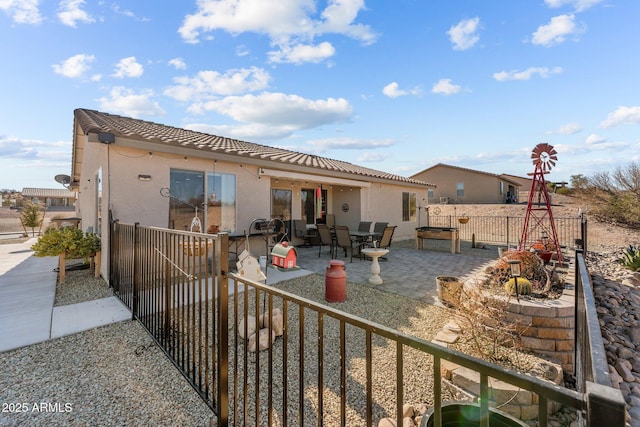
x=539 y=227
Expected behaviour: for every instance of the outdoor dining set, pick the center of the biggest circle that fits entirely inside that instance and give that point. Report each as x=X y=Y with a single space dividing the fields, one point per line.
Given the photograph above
x=352 y=242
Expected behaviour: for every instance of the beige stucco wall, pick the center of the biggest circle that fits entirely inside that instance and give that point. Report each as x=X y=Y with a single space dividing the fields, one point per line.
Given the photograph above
x=132 y=200
x=478 y=187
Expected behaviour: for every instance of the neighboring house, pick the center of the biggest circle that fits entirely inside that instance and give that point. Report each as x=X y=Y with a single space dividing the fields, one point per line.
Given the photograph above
x=461 y=185
x=121 y=165
x=525 y=183
x=55 y=198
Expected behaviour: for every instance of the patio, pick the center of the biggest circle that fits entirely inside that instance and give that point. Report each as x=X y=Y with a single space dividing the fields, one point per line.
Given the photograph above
x=407 y=271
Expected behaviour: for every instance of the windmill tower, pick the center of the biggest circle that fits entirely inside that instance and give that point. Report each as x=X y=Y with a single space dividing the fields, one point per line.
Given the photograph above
x=539 y=226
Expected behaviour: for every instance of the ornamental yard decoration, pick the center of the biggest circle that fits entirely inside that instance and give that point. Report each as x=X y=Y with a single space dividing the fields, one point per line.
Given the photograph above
x=539 y=227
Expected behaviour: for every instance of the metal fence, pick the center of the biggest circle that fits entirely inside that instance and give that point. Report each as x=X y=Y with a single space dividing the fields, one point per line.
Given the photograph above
x=177 y=285
x=507 y=230
x=592 y=368
x=170 y=281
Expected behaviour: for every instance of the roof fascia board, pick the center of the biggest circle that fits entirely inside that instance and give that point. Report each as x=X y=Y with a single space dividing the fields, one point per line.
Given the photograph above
x=276 y=173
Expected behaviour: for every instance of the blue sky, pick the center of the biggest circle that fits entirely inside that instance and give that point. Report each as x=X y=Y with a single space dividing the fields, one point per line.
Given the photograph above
x=396 y=86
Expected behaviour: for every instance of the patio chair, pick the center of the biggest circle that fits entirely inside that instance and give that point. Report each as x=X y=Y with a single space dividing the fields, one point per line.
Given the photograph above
x=302 y=232
x=344 y=241
x=387 y=234
x=379 y=227
x=364 y=226
x=325 y=238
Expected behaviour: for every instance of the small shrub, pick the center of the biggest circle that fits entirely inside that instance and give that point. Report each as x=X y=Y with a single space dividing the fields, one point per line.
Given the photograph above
x=524 y=286
x=31 y=216
x=631 y=258
x=71 y=242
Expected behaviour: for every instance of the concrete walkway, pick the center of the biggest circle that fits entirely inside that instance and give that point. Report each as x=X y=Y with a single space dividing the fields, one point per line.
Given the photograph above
x=27 y=294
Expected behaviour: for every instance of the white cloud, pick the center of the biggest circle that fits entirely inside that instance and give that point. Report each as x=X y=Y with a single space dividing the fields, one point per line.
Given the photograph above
x=371 y=157
x=302 y=53
x=178 y=63
x=75 y=66
x=579 y=5
x=568 y=129
x=278 y=109
x=22 y=11
x=392 y=90
x=127 y=102
x=464 y=35
x=526 y=74
x=128 y=67
x=32 y=149
x=595 y=139
x=254 y=132
x=209 y=84
x=70 y=13
x=346 y=143
x=288 y=23
x=242 y=50
x=556 y=31
x=622 y=115
x=445 y=87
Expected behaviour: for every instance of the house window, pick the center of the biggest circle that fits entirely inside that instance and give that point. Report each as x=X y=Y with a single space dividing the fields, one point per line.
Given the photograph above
x=281 y=209
x=460 y=189
x=431 y=194
x=409 y=207
x=501 y=188
x=187 y=197
x=221 y=201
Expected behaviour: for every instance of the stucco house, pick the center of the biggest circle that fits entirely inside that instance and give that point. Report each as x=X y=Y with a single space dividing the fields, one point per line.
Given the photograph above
x=157 y=175
x=54 y=198
x=455 y=184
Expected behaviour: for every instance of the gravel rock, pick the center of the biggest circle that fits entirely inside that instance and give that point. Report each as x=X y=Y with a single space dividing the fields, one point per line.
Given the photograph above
x=110 y=376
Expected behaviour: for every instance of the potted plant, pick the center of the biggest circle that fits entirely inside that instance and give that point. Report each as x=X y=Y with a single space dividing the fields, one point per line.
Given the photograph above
x=67 y=243
x=449 y=290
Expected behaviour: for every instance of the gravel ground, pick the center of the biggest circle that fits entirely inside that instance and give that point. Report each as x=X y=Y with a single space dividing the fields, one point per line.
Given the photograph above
x=80 y=286
x=110 y=376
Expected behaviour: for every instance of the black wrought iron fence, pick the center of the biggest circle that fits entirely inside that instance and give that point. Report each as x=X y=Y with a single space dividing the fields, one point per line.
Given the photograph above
x=171 y=281
x=507 y=230
x=324 y=367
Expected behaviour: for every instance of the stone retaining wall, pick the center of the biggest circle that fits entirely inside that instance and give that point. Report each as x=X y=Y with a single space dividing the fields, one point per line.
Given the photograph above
x=547 y=326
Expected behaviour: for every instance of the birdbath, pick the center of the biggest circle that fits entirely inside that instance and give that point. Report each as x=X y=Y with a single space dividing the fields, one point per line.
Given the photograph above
x=375 y=253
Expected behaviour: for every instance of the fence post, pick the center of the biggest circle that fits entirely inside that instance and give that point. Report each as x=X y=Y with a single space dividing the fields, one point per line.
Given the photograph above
x=507 y=232
x=136 y=254
x=583 y=232
x=221 y=265
x=605 y=406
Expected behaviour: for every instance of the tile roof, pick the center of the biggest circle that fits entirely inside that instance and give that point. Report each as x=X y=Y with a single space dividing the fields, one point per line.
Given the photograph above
x=91 y=121
x=48 y=192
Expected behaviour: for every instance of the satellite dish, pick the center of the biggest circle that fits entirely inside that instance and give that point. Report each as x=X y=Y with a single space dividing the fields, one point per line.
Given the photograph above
x=63 y=179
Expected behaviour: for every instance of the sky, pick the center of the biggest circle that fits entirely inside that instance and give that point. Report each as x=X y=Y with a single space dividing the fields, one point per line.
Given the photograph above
x=396 y=86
